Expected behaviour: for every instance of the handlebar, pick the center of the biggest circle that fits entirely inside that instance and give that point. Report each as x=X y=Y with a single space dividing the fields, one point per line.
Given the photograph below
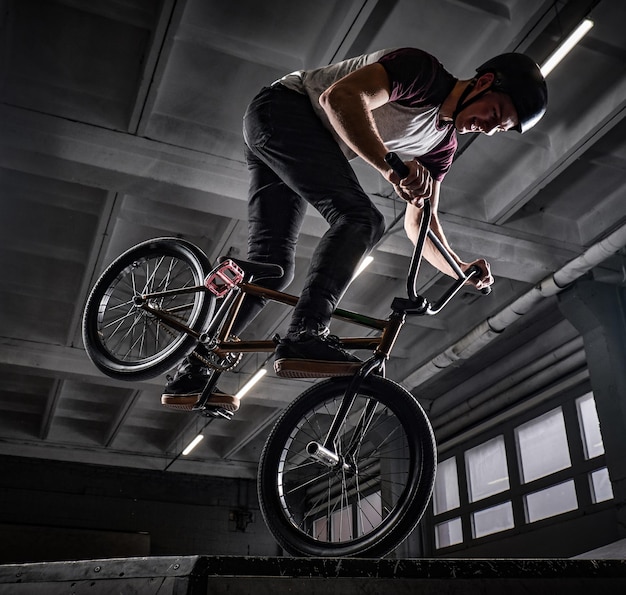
x=400 y=168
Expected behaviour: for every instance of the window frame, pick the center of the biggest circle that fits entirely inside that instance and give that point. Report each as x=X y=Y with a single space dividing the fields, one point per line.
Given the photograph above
x=579 y=471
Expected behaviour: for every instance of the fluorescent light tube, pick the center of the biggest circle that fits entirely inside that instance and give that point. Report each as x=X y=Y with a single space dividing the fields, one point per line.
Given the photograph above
x=566 y=47
x=364 y=264
x=246 y=387
x=193 y=444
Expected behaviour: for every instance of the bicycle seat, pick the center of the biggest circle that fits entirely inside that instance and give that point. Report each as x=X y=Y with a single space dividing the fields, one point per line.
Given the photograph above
x=257 y=270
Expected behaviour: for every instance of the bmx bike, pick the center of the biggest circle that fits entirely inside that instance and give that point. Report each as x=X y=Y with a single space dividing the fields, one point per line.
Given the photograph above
x=349 y=467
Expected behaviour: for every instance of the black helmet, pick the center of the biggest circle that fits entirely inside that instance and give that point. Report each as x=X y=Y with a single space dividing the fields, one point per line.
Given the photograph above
x=520 y=78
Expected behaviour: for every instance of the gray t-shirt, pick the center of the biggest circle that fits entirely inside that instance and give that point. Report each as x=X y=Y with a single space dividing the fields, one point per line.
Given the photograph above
x=409 y=122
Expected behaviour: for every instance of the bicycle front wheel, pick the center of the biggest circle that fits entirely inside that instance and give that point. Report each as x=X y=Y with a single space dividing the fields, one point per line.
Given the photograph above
x=371 y=499
x=125 y=341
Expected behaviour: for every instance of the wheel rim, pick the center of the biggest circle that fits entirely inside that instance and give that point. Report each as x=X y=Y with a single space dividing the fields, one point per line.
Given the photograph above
x=131 y=335
x=359 y=498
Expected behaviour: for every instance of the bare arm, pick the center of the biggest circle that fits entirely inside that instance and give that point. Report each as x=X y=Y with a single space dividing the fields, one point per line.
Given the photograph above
x=349 y=104
x=412 y=219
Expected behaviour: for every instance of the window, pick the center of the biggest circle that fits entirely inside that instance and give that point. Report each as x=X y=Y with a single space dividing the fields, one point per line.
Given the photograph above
x=341 y=525
x=446 y=494
x=551 y=501
x=446 y=498
x=364 y=515
x=369 y=513
x=320 y=529
x=589 y=426
x=601 y=489
x=448 y=533
x=528 y=472
x=487 y=471
x=542 y=446
x=488 y=475
x=493 y=519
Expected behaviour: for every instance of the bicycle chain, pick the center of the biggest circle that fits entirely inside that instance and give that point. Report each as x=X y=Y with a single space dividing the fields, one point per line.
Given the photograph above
x=207 y=362
x=222 y=367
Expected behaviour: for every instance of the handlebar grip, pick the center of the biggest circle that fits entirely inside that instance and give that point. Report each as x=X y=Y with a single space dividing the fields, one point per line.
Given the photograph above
x=398 y=166
x=474 y=270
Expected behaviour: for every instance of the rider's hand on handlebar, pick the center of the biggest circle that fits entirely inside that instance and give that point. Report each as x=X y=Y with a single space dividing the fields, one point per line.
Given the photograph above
x=414 y=188
x=483 y=279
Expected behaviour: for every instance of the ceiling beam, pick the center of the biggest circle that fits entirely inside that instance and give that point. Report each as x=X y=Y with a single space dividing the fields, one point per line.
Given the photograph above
x=124 y=163
x=540 y=166
x=106 y=456
x=54 y=361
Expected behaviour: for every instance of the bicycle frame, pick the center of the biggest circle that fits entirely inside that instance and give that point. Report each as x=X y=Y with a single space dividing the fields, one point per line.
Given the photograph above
x=234 y=285
x=233 y=299
x=217 y=337
x=337 y=443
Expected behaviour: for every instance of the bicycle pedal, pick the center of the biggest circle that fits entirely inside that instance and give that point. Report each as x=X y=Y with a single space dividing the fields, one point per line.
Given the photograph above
x=223 y=278
x=216 y=412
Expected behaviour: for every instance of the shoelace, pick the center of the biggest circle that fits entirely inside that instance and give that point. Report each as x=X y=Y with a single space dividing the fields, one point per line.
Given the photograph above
x=334 y=341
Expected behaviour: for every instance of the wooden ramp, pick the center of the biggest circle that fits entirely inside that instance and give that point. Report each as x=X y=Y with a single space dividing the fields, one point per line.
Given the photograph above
x=215 y=575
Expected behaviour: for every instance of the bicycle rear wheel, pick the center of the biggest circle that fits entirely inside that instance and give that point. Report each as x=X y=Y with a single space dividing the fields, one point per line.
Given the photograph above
x=369 y=502
x=125 y=341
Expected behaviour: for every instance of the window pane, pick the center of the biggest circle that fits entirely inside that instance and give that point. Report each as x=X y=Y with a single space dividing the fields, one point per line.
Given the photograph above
x=448 y=533
x=542 y=446
x=320 y=529
x=590 y=426
x=369 y=513
x=601 y=488
x=551 y=501
x=486 y=469
x=341 y=525
x=494 y=519
x=446 y=494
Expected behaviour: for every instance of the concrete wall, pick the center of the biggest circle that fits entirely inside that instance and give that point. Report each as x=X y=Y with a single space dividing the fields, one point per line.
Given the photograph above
x=64 y=511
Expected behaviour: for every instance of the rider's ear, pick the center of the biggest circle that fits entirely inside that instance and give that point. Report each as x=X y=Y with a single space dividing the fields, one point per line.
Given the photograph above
x=484 y=81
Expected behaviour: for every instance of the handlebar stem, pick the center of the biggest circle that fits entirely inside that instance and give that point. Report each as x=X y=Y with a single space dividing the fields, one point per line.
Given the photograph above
x=418 y=251
x=425 y=232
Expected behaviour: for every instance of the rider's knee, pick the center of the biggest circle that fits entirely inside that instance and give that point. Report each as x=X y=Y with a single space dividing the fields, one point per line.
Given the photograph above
x=281 y=283
x=289 y=272
x=372 y=225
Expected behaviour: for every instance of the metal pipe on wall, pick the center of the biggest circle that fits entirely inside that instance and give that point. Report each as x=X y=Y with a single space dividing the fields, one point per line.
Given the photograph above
x=488 y=330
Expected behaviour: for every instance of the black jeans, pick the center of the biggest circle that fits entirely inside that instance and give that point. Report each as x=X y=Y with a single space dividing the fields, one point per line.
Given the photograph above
x=293 y=160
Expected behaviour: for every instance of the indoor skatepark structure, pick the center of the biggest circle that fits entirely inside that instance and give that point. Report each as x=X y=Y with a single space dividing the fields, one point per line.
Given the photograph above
x=600 y=571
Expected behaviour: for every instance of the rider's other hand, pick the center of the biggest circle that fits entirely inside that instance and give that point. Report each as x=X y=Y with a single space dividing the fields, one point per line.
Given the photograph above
x=404 y=195
x=482 y=279
x=417 y=186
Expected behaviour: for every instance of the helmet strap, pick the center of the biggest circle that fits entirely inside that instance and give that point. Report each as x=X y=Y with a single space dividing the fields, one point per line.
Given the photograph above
x=463 y=102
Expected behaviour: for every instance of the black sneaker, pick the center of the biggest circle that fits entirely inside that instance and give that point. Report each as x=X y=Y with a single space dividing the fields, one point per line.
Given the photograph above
x=184 y=390
x=310 y=355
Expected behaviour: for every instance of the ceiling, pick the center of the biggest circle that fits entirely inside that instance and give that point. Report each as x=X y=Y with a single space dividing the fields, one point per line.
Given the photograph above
x=120 y=120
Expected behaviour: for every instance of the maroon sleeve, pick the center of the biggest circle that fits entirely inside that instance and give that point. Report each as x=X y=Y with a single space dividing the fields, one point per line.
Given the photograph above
x=416 y=77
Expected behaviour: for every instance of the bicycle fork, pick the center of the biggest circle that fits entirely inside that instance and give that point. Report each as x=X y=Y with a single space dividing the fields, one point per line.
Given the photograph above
x=326 y=452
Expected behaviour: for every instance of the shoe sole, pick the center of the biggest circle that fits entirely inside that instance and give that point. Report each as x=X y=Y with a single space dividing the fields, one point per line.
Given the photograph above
x=301 y=368
x=187 y=403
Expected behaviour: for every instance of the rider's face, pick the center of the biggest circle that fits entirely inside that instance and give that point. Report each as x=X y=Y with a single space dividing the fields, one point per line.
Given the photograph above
x=492 y=112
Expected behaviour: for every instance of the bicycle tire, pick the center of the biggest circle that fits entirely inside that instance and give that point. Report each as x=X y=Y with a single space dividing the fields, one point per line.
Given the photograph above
x=126 y=342
x=305 y=504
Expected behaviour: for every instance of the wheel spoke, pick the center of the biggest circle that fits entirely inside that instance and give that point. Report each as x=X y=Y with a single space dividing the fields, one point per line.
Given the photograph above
x=367 y=501
x=128 y=333
x=344 y=489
